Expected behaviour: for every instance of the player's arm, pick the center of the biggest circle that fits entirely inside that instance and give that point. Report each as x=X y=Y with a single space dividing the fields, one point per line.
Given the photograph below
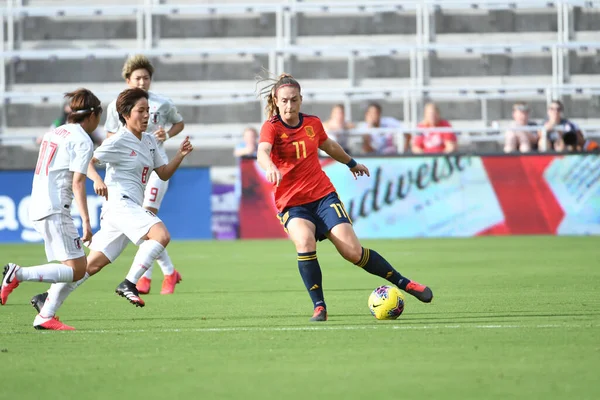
x=174 y=118
x=81 y=201
x=335 y=151
x=263 y=156
x=99 y=185
x=166 y=171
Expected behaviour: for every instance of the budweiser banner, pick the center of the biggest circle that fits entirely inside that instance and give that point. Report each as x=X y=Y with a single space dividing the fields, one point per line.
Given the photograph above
x=449 y=196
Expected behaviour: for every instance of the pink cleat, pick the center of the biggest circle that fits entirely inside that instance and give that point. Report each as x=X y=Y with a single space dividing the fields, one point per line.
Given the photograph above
x=168 y=286
x=143 y=285
x=9 y=281
x=50 y=324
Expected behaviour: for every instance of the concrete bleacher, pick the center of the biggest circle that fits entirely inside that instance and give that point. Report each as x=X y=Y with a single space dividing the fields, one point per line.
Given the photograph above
x=319 y=28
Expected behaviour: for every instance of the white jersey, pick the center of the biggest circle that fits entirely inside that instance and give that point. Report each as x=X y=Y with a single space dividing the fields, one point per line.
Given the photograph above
x=162 y=113
x=129 y=163
x=64 y=151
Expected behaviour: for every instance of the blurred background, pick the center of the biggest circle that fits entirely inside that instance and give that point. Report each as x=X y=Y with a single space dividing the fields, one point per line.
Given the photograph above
x=496 y=102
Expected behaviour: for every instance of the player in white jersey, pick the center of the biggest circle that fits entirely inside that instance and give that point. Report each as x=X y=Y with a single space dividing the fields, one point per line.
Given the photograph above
x=130 y=156
x=59 y=177
x=138 y=72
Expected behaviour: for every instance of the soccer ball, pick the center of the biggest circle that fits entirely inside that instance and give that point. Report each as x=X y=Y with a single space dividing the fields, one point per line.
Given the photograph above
x=386 y=302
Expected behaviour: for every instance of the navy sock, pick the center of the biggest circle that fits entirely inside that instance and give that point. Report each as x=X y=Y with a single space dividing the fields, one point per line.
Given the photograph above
x=374 y=264
x=309 y=268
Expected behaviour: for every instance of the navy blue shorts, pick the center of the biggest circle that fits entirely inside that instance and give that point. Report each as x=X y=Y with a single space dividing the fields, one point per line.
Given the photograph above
x=325 y=213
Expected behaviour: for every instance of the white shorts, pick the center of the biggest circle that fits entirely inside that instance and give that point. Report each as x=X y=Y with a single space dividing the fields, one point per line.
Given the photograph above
x=155 y=191
x=122 y=221
x=60 y=236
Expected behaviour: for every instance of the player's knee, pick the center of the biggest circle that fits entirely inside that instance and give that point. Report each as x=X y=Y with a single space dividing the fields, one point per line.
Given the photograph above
x=305 y=244
x=163 y=237
x=352 y=253
x=78 y=273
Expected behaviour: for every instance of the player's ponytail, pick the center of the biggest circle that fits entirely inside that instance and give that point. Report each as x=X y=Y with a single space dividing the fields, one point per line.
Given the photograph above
x=82 y=103
x=270 y=90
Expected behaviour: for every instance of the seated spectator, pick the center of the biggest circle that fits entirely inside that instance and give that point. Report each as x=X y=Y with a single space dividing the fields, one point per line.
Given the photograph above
x=337 y=127
x=433 y=142
x=518 y=137
x=574 y=141
x=378 y=142
x=557 y=126
x=249 y=144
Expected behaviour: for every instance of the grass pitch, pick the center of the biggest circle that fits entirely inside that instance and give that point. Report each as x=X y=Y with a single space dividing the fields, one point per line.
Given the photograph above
x=512 y=317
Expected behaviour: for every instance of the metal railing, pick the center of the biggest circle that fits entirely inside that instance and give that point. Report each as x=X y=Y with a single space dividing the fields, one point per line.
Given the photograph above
x=285 y=13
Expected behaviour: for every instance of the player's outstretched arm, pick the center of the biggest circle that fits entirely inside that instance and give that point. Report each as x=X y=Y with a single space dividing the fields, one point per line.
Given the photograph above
x=263 y=156
x=81 y=201
x=335 y=151
x=166 y=171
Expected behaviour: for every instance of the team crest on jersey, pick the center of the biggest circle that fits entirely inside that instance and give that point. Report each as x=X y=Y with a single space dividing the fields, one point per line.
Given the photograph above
x=78 y=243
x=154 y=117
x=309 y=132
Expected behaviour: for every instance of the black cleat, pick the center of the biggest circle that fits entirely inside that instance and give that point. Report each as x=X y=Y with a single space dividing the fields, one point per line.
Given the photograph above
x=129 y=291
x=421 y=292
x=38 y=301
x=319 y=315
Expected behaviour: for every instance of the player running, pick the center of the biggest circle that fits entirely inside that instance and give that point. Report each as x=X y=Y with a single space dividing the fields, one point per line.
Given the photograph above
x=60 y=175
x=130 y=156
x=309 y=207
x=138 y=72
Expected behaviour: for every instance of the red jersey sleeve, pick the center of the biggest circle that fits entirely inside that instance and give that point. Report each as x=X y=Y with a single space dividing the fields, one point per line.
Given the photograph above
x=267 y=133
x=419 y=138
x=321 y=134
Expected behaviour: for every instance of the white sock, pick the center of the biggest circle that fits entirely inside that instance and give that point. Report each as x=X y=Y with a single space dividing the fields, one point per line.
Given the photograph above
x=144 y=258
x=148 y=273
x=165 y=263
x=51 y=273
x=57 y=294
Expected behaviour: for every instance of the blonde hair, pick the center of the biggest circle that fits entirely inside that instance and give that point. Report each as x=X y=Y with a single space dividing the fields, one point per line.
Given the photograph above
x=135 y=62
x=270 y=90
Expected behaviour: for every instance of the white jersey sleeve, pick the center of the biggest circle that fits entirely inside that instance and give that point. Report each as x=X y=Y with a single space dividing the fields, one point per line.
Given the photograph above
x=81 y=154
x=173 y=116
x=112 y=123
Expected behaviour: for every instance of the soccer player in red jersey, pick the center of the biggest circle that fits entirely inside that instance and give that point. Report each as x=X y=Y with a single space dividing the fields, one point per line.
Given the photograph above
x=309 y=207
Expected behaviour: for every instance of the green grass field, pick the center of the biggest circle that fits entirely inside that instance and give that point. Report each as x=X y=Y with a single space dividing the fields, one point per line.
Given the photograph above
x=512 y=318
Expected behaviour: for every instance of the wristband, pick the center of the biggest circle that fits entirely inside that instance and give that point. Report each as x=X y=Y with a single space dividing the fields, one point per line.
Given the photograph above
x=352 y=163
x=167 y=136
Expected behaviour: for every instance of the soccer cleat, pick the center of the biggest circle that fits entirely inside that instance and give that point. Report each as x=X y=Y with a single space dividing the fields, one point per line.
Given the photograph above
x=421 y=292
x=9 y=281
x=168 y=285
x=143 y=285
x=129 y=291
x=50 y=324
x=38 y=301
x=320 y=314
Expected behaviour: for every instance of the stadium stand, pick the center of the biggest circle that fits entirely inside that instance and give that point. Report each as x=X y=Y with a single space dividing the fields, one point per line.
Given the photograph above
x=469 y=56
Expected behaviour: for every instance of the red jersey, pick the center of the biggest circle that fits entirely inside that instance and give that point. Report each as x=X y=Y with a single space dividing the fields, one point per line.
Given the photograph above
x=296 y=154
x=433 y=142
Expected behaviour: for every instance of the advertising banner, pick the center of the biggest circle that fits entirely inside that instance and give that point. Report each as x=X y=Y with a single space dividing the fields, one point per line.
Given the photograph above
x=185 y=210
x=449 y=196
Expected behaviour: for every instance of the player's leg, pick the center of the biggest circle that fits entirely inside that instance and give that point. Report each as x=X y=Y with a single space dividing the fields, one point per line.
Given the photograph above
x=345 y=241
x=153 y=197
x=148 y=232
x=62 y=243
x=337 y=223
x=107 y=244
x=301 y=230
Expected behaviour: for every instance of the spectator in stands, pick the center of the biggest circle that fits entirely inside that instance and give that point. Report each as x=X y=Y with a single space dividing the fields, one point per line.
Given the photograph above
x=574 y=141
x=378 y=142
x=249 y=145
x=520 y=136
x=337 y=127
x=557 y=128
x=433 y=142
